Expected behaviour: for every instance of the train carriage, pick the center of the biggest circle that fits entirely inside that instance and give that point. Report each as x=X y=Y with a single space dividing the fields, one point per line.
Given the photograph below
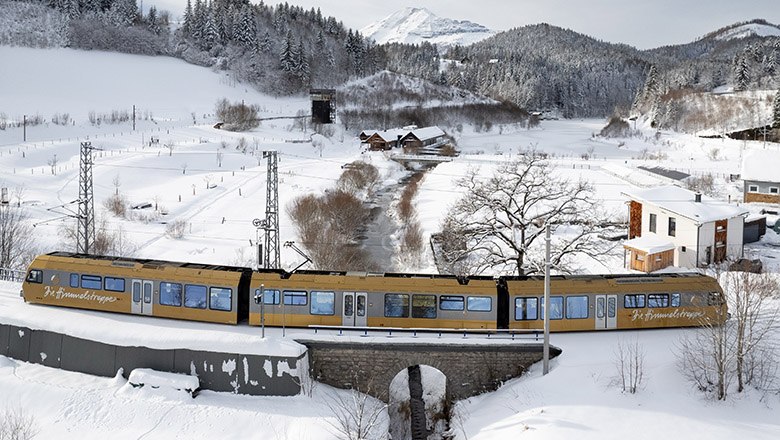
x=373 y=300
x=144 y=287
x=605 y=302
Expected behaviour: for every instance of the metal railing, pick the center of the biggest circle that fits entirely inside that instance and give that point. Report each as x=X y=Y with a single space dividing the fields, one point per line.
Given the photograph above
x=11 y=274
x=511 y=334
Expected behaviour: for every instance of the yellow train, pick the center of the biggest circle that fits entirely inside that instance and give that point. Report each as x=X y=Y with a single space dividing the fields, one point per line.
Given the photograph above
x=231 y=295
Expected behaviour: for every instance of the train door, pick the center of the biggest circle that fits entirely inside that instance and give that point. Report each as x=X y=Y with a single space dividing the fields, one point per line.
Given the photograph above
x=353 y=312
x=606 y=311
x=142 y=297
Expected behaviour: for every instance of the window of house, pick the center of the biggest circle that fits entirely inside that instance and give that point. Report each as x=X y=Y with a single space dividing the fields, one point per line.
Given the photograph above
x=683 y=249
x=653 y=221
x=672 y=227
x=774 y=190
x=640 y=257
x=753 y=188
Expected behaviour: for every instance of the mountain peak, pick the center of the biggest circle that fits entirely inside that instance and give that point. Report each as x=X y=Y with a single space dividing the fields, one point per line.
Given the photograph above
x=414 y=25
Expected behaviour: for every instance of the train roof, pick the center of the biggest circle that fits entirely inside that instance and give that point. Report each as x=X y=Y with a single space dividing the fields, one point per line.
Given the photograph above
x=148 y=263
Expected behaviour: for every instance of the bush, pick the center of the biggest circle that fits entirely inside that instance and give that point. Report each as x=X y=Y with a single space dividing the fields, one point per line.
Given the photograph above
x=616 y=128
x=16 y=425
x=117 y=205
x=358 y=176
x=176 y=229
x=237 y=117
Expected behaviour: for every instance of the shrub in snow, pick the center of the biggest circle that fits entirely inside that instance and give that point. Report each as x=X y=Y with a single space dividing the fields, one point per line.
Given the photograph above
x=237 y=117
x=15 y=424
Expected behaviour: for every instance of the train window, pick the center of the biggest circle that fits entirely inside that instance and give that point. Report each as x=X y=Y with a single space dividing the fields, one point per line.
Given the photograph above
x=450 y=302
x=195 y=296
x=634 y=301
x=361 y=305
x=170 y=294
x=556 y=307
x=396 y=305
x=424 y=306
x=220 y=298
x=675 y=300
x=74 y=280
x=479 y=304
x=271 y=296
x=91 y=282
x=526 y=309
x=600 y=307
x=349 y=305
x=295 y=297
x=114 y=284
x=323 y=303
x=35 y=276
x=576 y=307
x=656 y=300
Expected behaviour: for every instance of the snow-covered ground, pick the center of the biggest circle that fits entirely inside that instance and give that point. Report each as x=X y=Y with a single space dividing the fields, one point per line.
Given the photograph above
x=218 y=204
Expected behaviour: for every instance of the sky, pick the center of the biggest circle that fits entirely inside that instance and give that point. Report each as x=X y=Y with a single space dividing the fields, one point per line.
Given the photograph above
x=642 y=24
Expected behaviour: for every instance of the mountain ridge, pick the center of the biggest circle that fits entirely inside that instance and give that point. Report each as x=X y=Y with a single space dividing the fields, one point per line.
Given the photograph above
x=417 y=25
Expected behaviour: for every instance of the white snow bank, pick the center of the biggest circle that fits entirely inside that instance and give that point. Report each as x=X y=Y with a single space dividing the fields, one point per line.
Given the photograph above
x=158 y=379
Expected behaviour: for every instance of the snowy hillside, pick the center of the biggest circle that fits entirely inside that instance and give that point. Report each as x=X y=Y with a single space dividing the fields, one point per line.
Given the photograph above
x=417 y=25
x=757 y=28
x=217 y=188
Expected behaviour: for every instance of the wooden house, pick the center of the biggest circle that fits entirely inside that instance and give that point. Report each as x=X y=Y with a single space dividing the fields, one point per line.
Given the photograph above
x=761 y=176
x=423 y=138
x=672 y=226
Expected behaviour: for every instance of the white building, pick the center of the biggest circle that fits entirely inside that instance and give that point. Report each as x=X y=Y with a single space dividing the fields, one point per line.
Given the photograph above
x=670 y=225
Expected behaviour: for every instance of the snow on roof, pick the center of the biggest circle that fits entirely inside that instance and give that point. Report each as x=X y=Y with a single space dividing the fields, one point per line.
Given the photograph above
x=427 y=133
x=392 y=134
x=650 y=244
x=761 y=165
x=682 y=202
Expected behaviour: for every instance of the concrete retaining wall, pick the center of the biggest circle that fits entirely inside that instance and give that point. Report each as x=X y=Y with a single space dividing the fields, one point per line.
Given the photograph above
x=230 y=372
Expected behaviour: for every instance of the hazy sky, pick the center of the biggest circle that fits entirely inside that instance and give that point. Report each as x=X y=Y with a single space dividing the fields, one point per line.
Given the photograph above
x=643 y=24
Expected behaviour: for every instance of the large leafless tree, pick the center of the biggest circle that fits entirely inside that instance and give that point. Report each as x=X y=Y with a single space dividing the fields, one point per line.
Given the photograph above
x=16 y=238
x=499 y=224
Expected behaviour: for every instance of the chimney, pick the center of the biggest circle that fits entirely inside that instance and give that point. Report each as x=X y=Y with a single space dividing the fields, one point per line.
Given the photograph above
x=697 y=198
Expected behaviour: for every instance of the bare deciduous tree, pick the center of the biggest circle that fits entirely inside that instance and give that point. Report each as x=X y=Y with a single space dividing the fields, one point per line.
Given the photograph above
x=499 y=220
x=358 y=416
x=15 y=424
x=630 y=365
x=17 y=246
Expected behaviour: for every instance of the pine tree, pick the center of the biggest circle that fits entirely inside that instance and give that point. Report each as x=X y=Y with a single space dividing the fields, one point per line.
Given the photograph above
x=741 y=74
x=776 y=112
x=302 y=64
x=286 y=57
x=186 y=26
x=210 y=34
x=246 y=31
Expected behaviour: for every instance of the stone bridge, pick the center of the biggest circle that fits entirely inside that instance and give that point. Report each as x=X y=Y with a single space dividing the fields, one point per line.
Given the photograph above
x=471 y=369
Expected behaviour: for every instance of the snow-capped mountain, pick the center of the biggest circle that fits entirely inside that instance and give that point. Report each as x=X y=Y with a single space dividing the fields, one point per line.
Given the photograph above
x=757 y=28
x=415 y=25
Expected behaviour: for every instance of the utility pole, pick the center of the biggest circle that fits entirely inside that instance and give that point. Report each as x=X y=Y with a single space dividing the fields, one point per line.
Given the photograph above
x=133 y=117
x=85 y=230
x=24 y=128
x=272 y=212
x=546 y=349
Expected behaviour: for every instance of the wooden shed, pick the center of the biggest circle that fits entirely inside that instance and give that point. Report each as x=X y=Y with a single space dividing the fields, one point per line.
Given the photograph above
x=648 y=254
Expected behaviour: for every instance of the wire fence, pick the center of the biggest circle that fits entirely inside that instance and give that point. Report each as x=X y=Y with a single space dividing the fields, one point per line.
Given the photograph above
x=11 y=274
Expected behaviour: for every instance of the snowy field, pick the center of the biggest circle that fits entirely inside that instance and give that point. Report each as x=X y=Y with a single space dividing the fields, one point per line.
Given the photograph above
x=175 y=102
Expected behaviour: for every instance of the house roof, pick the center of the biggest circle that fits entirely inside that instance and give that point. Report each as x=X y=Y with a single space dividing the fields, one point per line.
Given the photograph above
x=426 y=133
x=650 y=244
x=682 y=202
x=761 y=165
x=389 y=135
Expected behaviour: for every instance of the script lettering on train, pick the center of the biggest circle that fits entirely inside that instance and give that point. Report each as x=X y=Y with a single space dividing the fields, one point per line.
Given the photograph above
x=650 y=315
x=62 y=294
